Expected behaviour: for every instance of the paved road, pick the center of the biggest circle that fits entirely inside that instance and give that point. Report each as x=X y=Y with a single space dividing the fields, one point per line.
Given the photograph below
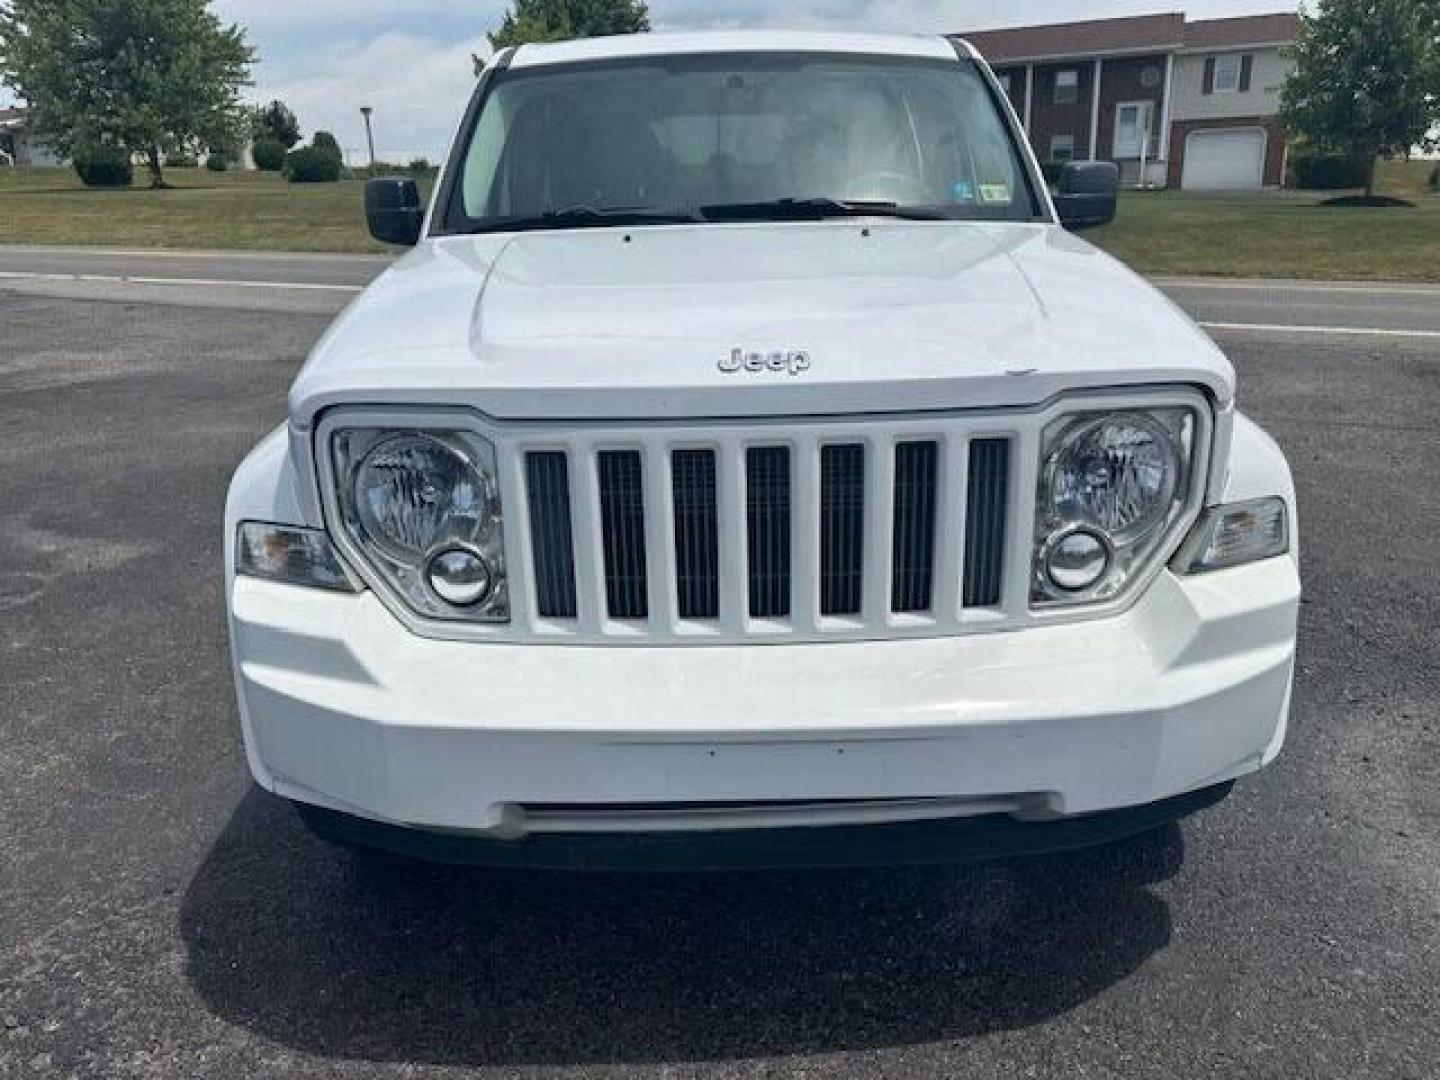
x=160 y=918
x=257 y=267
x=323 y=283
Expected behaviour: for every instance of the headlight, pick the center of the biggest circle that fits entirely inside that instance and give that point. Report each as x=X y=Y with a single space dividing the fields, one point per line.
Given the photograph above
x=423 y=509
x=1112 y=487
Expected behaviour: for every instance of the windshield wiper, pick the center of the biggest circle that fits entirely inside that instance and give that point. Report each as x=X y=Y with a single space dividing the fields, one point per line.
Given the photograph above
x=587 y=217
x=818 y=210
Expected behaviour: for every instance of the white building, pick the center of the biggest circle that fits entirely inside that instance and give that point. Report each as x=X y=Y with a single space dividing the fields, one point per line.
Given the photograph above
x=16 y=146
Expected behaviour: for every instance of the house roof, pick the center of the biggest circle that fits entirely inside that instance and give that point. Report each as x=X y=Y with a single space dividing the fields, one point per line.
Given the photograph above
x=1247 y=30
x=1158 y=32
x=1144 y=33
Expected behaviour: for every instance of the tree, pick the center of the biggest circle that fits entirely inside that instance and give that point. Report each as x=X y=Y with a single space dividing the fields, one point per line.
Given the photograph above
x=276 y=121
x=1367 y=79
x=146 y=77
x=557 y=20
x=326 y=143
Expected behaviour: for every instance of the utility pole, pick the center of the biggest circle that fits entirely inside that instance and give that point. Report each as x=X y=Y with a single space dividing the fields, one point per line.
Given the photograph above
x=366 y=111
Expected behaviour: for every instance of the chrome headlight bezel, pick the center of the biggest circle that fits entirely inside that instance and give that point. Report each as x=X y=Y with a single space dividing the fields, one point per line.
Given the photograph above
x=396 y=569
x=1180 y=434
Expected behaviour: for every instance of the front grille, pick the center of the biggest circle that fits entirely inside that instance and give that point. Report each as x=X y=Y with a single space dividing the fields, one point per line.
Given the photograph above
x=697 y=543
x=622 y=513
x=767 y=530
x=985 y=522
x=548 y=482
x=913 y=573
x=811 y=535
x=842 y=529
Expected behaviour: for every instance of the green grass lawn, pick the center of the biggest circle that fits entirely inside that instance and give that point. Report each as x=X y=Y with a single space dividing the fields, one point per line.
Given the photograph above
x=238 y=210
x=1283 y=234
x=1286 y=235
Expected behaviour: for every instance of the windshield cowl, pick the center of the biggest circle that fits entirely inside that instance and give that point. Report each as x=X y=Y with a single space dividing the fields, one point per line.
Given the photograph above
x=780 y=210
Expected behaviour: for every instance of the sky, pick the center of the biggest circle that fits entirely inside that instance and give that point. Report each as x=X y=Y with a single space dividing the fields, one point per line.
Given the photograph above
x=410 y=59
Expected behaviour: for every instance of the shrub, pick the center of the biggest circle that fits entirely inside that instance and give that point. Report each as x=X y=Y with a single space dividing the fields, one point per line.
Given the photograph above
x=312 y=165
x=218 y=161
x=1369 y=201
x=104 y=167
x=1312 y=171
x=269 y=154
x=181 y=161
x=421 y=166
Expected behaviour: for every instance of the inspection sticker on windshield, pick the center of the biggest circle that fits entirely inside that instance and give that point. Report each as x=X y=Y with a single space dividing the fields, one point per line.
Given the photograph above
x=962 y=191
x=995 y=194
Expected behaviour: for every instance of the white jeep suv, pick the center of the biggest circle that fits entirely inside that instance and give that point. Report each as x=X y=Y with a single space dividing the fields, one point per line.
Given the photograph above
x=749 y=466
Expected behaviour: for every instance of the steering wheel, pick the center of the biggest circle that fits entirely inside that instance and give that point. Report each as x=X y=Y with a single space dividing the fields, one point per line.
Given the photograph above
x=888 y=185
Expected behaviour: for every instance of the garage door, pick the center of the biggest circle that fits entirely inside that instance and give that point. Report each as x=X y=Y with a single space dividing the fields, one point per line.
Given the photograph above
x=1224 y=160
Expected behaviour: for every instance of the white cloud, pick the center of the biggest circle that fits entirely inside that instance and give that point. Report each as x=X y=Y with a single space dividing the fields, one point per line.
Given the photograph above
x=418 y=88
x=396 y=14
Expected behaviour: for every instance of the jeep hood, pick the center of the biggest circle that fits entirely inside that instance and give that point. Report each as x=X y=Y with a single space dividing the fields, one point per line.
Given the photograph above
x=894 y=316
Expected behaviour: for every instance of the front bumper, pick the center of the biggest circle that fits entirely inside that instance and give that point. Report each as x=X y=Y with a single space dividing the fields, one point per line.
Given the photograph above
x=346 y=710
x=913 y=843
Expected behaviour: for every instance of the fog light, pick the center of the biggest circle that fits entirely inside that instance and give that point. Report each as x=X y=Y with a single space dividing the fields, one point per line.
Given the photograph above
x=1077 y=559
x=459 y=576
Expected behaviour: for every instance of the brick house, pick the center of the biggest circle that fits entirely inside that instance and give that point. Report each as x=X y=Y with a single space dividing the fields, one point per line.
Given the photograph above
x=1189 y=104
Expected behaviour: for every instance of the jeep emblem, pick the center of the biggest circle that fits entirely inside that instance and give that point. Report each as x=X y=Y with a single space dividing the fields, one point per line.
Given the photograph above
x=792 y=363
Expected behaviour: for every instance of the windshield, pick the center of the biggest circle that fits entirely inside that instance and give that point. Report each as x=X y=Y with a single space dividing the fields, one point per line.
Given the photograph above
x=656 y=139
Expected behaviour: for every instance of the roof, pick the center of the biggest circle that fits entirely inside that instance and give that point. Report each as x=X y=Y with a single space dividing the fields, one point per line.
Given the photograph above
x=1248 y=30
x=723 y=41
x=1146 y=32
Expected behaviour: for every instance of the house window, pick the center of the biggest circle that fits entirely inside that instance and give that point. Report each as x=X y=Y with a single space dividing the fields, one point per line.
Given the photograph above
x=1227 y=73
x=1067 y=87
x=1062 y=147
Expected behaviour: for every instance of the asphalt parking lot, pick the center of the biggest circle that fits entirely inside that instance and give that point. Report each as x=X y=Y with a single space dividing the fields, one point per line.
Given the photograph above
x=160 y=917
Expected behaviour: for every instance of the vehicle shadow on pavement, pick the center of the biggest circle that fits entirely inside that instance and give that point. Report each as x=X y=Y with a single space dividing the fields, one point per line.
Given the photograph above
x=345 y=956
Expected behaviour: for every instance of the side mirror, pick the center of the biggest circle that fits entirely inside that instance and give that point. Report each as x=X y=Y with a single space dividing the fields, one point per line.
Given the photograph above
x=394 y=210
x=1089 y=194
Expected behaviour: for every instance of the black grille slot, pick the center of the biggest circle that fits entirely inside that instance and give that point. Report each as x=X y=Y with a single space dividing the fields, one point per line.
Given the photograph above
x=622 y=519
x=697 y=539
x=551 y=537
x=767 y=515
x=988 y=501
x=914 y=555
x=842 y=529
